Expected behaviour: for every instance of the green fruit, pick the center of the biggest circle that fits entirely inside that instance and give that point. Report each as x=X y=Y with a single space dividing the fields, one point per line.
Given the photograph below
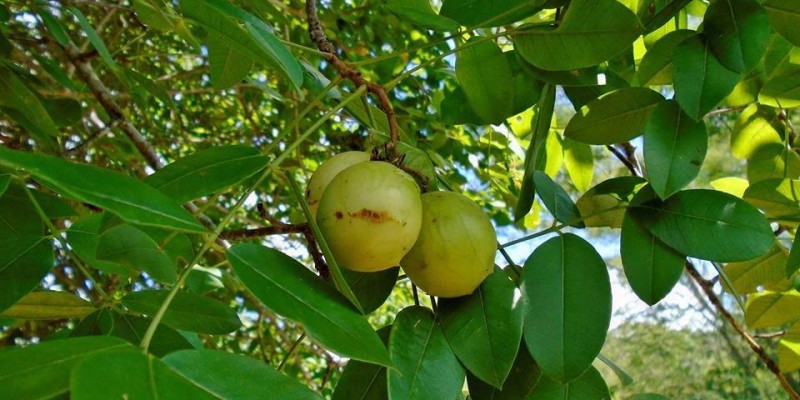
x=327 y=171
x=455 y=249
x=370 y=215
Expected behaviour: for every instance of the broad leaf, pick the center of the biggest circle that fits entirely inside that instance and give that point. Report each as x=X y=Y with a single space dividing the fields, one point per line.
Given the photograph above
x=772 y=162
x=785 y=18
x=674 y=148
x=616 y=117
x=132 y=329
x=128 y=246
x=521 y=380
x=782 y=90
x=556 y=200
x=754 y=129
x=591 y=32
x=737 y=31
x=371 y=288
x=226 y=64
x=211 y=371
x=590 y=385
x=568 y=306
x=765 y=271
x=132 y=374
x=579 y=162
x=700 y=80
x=289 y=289
x=24 y=262
x=207 y=171
x=656 y=67
x=421 y=13
x=127 y=197
x=426 y=367
x=772 y=309
x=604 y=204
x=707 y=224
x=42 y=371
x=363 y=381
x=17 y=96
x=778 y=198
x=188 y=311
x=476 y=13
x=49 y=305
x=652 y=267
x=793 y=261
x=731 y=185
x=485 y=76
x=535 y=158
x=84 y=237
x=789 y=349
x=481 y=328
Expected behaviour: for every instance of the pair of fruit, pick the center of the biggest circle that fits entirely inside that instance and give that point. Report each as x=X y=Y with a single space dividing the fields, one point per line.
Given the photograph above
x=373 y=217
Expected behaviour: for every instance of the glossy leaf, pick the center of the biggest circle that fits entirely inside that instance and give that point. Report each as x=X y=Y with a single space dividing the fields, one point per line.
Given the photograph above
x=785 y=18
x=42 y=371
x=17 y=96
x=590 y=385
x=4 y=181
x=211 y=371
x=591 y=32
x=481 y=328
x=49 y=305
x=604 y=204
x=707 y=224
x=731 y=185
x=475 y=13
x=737 y=31
x=579 y=162
x=789 y=349
x=371 y=288
x=188 y=311
x=534 y=159
x=94 y=39
x=485 y=76
x=363 y=381
x=421 y=13
x=782 y=90
x=778 y=198
x=773 y=162
x=674 y=148
x=426 y=367
x=556 y=200
x=772 y=309
x=125 y=245
x=754 y=129
x=652 y=267
x=127 y=197
x=84 y=237
x=289 y=289
x=616 y=117
x=767 y=270
x=793 y=261
x=568 y=306
x=207 y=171
x=700 y=80
x=130 y=373
x=24 y=262
x=227 y=65
x=521 y=380
x=656 y=67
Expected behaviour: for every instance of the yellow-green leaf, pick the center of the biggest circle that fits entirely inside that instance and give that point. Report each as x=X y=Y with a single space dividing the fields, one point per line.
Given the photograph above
x=49 y=305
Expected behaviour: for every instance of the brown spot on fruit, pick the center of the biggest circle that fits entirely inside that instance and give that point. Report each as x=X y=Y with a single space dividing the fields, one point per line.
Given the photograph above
x=339 y=215
x=371 y=215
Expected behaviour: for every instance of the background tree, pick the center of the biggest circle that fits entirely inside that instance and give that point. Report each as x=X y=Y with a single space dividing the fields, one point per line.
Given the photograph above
x=155 y=155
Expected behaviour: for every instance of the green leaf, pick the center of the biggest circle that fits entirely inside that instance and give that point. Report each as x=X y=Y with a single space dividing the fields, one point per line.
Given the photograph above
x=656 y=67
x=150 y=12
x=521 y=380
x=42 y=371
x=18 y=217
x=793 y=262
x=64 y=111
x=49 y=305
x=782 y=90
x=485 y=76
x=482 y=13
x=754 y=129
x=772 y=309
x=149 y=86
x=24 y=262
x=707 y=224
x=789 y=349
x=648 y=396
x=211 y=371
x=483 y=327
x=371 y=288
x=616 y=117
x=257 y=41
x=132 y=374
x=765 y=271
x=84 y=237
x=363 y=381
x=455 y=109
x=4 y=181
x=125 y=245
x=624 y=378
x=54 y=26
x=421 y=13
x=15 y=95
x=127 y=197
x=132 y=329
x=590 y=385
x=785 y=18
x=771 y=162
x=534 y=159
x=288 y=288
x=426 y=367
x=652 y=267
x=188 y=311
x=226 y=64
x=579 y=162
x=700 y=80
x=556 y=200
x=604 y=204
x=674 y=148
x=778 y=198
x=591 y=32
x=563 y=331
x=207 y=171
x=94 y=38
x=738 y=32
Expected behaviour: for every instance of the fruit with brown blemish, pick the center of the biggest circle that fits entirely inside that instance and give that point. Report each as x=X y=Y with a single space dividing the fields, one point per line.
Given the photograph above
x=327 y=171
x=370 y=214
x=455 y=249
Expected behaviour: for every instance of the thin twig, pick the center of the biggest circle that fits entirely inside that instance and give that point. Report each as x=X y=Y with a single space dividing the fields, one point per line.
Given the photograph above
x=275 y=229
x=317 y=35
x=708 y=289
x=631 y=166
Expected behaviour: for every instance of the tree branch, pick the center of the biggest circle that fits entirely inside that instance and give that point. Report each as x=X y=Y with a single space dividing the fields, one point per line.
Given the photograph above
x=317 y=35
x=275 y=229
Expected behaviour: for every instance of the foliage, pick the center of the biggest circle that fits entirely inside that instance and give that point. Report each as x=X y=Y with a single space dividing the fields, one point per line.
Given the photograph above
x=154 y=153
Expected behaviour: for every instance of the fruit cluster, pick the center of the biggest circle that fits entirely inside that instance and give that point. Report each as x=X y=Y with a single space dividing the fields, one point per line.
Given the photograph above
x=373 y=217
